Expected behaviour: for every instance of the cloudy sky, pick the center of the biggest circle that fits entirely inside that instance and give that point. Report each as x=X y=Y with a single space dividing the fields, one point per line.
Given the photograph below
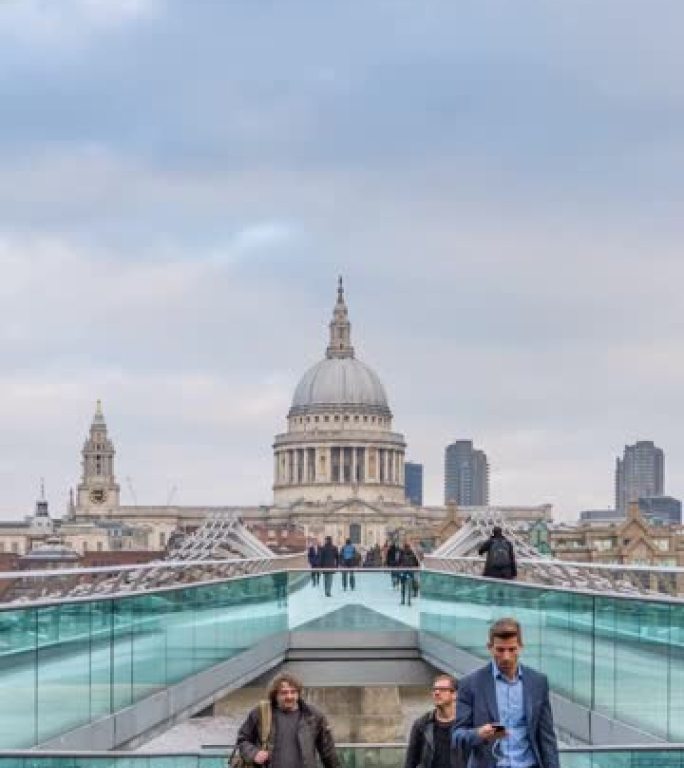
x=501 y=185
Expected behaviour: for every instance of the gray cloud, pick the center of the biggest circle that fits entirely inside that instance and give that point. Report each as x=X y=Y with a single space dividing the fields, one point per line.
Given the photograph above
x=180 y=184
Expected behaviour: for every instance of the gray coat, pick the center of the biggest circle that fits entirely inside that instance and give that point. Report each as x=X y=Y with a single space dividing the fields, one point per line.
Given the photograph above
x=313 y=734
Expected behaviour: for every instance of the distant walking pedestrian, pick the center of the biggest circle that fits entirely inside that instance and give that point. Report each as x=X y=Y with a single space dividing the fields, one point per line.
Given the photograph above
x=500 y=561
x=314 y=557
x=349 y=559
x=407 y=559
x=330 y=558
x=392 y=561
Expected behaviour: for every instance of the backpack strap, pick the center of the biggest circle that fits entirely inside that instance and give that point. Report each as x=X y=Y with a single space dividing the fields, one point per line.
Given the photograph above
x=265 y=714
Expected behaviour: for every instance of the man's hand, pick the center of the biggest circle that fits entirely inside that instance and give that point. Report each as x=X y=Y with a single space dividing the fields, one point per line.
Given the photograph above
x=261 y=757
x=490 y=733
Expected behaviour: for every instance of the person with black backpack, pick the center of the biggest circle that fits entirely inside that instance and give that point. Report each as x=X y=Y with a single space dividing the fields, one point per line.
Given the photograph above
x=500 y=560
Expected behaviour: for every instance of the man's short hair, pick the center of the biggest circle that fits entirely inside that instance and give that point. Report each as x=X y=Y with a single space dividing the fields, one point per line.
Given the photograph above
x=505 y=629
x=453 y=683
x=496 y=531
x=278 y=680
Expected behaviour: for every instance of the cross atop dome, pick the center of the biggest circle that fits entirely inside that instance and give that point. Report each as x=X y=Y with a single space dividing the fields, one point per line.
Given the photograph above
x=340 y=328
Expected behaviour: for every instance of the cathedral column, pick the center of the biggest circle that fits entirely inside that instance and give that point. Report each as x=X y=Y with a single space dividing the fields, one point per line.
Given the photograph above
x=353 y=464
x=305 y=468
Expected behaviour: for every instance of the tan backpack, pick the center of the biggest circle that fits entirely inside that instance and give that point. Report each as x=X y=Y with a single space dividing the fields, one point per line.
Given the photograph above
x=265 y=718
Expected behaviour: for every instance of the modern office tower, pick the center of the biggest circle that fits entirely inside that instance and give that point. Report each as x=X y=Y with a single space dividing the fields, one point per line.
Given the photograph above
x=639 y=473
x=413 y=482
x=601 y=516
x=664 y=508
x=466 y=475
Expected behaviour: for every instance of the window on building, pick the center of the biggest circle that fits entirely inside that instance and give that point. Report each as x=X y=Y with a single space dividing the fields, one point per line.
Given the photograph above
x=100 y=546
x=335 y=464
x=15 y=547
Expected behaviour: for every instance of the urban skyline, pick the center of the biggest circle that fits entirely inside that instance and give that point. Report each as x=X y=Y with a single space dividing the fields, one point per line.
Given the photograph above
x=503 y=199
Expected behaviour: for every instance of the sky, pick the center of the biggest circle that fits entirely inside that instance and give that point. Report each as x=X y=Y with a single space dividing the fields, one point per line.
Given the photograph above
x=500 y=184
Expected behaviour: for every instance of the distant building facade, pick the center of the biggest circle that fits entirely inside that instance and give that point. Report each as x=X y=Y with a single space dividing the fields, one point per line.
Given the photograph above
x=632 y=540
x=466 y=475
x=664 y=508
x=600 y=516
x=639 y=473
x=413 y=486
x=339 y=442
x=98 y=491
x=338 y=470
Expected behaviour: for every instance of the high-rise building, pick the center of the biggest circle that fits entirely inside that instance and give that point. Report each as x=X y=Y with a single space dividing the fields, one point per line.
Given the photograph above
x=413 y=483
x=664 y=508
x=639 y=473
x=466 y=475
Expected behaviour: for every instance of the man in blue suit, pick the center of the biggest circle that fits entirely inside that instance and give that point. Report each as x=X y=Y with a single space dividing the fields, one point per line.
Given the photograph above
x=503 y=717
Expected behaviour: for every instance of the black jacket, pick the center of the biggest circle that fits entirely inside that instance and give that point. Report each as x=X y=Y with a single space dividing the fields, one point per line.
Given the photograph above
x=421 y=745
x=330 y=556
x=495 y=572
x=313 y=734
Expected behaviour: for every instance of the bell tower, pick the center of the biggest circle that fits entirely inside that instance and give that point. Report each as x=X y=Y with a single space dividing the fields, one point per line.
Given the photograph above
x=98 y=491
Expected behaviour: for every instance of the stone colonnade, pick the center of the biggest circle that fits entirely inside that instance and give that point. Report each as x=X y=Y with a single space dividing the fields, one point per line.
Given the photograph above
x=339 y=464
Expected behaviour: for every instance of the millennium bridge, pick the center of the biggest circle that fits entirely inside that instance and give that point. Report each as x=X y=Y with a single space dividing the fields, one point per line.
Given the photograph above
x=93 y=661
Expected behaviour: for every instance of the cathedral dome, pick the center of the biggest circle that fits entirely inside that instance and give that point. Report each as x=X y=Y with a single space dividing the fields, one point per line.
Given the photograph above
x=342 y=381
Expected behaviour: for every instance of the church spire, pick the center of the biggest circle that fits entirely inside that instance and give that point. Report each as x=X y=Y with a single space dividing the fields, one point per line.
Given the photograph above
x=98 y=418
x=340 y=328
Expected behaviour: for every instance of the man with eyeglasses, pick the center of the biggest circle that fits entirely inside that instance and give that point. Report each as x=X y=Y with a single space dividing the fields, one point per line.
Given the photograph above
x=430 y=739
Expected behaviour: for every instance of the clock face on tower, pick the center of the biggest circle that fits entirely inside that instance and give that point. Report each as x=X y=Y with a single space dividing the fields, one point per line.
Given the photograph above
x=98 y=496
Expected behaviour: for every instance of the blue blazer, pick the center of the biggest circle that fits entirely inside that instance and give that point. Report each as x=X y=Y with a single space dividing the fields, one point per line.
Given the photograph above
x=477 y=706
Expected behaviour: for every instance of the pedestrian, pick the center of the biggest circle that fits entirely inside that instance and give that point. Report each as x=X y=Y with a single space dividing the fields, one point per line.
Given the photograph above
x=430 y=740
x=297 y=733
x=393 y=553
x=504 y=714
x=330 y=558
x=500 y=561
x=314 y=557
x=348 y=556
x=407 y=559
